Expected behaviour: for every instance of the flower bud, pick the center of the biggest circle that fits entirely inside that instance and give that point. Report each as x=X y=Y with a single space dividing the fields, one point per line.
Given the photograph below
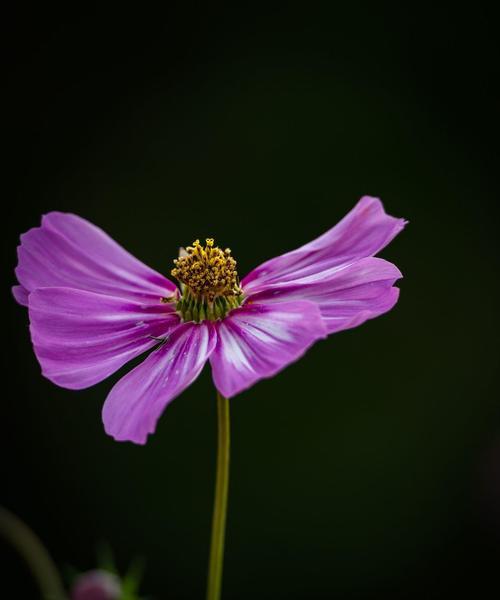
x=96 y=585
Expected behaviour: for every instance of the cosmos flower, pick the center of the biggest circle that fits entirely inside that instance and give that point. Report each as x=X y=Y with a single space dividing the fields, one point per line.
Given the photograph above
x=93 y=307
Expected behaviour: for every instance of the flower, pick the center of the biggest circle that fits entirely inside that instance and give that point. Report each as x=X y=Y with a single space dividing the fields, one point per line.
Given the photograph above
x=93 y=307
x=97 y=585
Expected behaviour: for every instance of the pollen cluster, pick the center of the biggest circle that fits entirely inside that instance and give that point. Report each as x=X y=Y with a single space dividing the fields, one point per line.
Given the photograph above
x=209 y=281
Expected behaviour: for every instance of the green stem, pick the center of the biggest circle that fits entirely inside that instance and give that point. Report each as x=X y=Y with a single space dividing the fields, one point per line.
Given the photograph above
x=34 y=553
x=220 y=501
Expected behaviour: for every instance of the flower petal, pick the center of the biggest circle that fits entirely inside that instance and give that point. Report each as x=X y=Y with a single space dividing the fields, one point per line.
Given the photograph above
x=258 y=340
x=347 y=296
x=361 y=233
x=68 y=251
x=81 y=337
x=21 y=294
x=136 y=402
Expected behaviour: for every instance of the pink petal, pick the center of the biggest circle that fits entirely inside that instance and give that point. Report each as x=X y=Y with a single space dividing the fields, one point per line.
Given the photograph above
x=136 y=402
x=81 y=337
x=347 y=295
x=21 y=294
x=361 y=233
x=258 y=340
x=97 y=585
x=68 y=251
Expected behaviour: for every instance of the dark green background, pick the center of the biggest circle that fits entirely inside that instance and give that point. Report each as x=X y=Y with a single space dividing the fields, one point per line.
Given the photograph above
x=369 y=469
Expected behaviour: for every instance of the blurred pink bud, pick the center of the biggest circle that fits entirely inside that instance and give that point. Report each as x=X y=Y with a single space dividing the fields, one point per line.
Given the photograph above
x=96 y=585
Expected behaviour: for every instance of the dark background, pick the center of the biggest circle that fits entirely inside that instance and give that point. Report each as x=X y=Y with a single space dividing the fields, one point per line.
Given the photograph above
x=369 y=469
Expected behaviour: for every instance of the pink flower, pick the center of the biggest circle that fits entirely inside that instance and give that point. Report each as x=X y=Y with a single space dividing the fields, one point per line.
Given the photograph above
x=93 y=307
x=97 y=585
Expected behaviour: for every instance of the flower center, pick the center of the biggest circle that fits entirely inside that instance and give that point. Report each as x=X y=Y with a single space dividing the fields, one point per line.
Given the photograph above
x=209 y=282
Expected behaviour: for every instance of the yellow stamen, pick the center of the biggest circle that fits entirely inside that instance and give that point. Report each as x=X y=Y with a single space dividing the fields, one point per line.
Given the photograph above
x=209 y=279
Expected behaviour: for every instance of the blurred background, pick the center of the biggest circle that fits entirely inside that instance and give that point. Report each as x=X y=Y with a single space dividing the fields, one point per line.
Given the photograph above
x=371 y=468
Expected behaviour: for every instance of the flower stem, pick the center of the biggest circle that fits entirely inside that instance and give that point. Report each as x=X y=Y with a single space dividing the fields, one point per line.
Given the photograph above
x=34 y=553
x=220 y=501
